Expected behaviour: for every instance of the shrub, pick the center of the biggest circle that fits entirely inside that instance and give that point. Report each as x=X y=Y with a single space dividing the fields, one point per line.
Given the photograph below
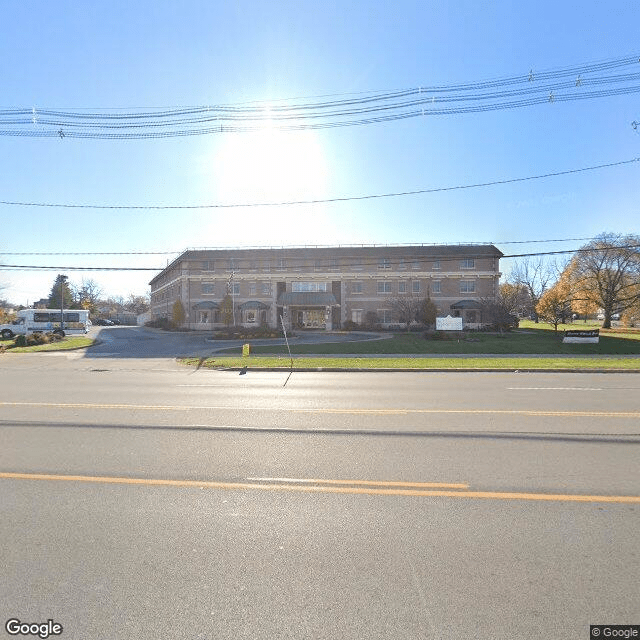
x=21 y=341
x=350 y=325
x=161 y=323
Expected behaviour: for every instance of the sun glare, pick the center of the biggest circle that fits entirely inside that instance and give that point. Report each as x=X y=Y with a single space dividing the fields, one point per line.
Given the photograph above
x=270 y=166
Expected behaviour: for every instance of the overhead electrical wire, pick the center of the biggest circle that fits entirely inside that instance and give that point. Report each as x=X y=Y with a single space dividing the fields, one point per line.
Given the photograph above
x=17 y=203
x=296 y=266
x=579 y=82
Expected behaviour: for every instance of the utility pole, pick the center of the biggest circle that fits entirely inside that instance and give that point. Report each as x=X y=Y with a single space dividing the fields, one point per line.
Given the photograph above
x=63 y=281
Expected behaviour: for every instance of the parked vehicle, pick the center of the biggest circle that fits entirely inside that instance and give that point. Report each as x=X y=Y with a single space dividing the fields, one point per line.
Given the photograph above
x=43 y=320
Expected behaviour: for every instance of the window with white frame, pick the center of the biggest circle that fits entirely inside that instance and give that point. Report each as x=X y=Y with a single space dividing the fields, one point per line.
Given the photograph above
x=436 y=265
x=356 y=287
x=232 y=265
x=384 y=287
x=467 y=286
x=282 y=264
x=402 y=265
x=208 y=265
x=208 y=288
x=415 y=265
x=415 y=286
x=436 y=286
x=468 y=263
x=357 y=266
x=385 y=316
x=235 y=288
x=266 y=288
x=252 y=288
x=384 y=263
x=402 y=286
x=356 y=316
x=308 y=286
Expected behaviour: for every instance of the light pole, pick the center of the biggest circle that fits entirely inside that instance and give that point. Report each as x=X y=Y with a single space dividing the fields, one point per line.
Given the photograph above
x=63 y=281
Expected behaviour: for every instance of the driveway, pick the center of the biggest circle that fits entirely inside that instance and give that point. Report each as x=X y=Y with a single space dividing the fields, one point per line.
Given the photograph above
x=142 y=342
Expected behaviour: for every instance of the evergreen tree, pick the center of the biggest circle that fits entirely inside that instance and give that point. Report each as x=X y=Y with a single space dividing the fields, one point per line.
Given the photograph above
x=59 y=290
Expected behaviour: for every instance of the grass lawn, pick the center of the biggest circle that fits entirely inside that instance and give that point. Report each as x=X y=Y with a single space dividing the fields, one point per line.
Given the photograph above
x=530 y=338
x=260 y=362
x=76 y=342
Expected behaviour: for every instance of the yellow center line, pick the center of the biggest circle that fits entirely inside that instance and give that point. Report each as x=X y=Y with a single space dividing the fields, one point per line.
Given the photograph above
x=491 y=495
x=366 y=483
x=148 y=407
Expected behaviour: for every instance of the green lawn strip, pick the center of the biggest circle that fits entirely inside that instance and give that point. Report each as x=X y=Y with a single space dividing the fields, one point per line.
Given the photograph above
x=63 y=345
x=259 y=362
x=529 y=341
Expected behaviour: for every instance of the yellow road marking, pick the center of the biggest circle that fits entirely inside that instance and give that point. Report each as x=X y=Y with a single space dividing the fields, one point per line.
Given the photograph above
x=148 y=407
x=367 y=483
x=491 y=495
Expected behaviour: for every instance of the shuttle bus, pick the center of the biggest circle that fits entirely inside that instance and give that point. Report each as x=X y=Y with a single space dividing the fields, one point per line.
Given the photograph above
x=45 y=320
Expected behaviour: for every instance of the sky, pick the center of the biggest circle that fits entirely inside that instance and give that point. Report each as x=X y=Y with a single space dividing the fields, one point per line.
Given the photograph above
x=140 y=56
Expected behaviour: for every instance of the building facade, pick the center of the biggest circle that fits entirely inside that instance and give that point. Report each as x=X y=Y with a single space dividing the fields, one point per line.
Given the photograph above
x=324 y=287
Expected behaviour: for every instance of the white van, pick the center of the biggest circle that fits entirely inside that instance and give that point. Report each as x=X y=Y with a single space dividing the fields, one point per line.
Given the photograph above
x=44 y=320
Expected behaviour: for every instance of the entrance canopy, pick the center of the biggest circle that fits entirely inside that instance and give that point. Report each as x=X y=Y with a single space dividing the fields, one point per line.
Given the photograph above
x=467 y=304
x=307 y=299
x=206 y=305
x=253 y=305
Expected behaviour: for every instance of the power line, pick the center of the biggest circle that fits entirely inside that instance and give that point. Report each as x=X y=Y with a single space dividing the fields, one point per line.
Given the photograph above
x=319 y=200
x=582 y=82
x=153 y=253
x=360 y=262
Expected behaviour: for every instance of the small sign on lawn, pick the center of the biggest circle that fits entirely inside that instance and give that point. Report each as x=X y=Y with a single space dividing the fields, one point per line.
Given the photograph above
x=582 y=336
x=449 y=324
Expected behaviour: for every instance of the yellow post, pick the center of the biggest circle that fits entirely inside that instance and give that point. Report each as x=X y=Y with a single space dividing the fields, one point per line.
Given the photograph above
x=246 y=348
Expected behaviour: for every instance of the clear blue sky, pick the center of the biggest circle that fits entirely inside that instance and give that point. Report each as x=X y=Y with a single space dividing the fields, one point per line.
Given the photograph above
x=136 y=55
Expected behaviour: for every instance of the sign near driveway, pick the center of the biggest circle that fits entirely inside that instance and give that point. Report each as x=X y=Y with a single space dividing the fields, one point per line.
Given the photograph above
x=449 y=324
x=584 y=336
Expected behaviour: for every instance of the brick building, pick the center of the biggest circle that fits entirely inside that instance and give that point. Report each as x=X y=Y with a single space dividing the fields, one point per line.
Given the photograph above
x=324 y=287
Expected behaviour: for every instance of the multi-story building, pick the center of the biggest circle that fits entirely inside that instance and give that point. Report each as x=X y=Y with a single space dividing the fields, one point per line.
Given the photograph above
x=324 y=287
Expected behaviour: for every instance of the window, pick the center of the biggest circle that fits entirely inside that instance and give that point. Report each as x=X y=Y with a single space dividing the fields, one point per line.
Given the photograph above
x=252 y=288
x=436 y=286
x=232 y=265
x=415 y=286
x=208 y=288
x=317 y=265
x=356 y=287
x=436 y=265
x=402 y=287
x=356 y=316
x=384 y=315
x=266 y=266
x=357 y=266
x=415 y=265
x=253 y=266
x=208 y=265
x=282 y=264
x=266 y=288
x=467 y=286
x=334 y=265
x=384 y=287
x=468 y=263
x=308 y=286
x=402 y=265
x=235 y=288
x=384 y=263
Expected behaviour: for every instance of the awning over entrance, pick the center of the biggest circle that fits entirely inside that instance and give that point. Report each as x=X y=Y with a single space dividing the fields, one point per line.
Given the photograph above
x=307 y=299
x=206 y=305
x=467 y=304
x=253 y=305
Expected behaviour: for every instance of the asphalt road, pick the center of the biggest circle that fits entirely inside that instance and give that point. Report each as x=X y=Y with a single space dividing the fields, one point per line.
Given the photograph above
x=140 y=499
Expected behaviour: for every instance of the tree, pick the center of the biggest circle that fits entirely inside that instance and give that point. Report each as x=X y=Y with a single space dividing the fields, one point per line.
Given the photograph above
x=606 y=274
x=59 y=292
x=534 y=276
x=405 y=308
x=427 y=312
x=515 y=299
x=88 y=294
x=555 y=304
x=178 y=313
x=137 y=304
x=226 y=309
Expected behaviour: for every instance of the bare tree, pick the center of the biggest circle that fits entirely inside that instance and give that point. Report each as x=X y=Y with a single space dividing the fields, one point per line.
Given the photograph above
x=534 y=275
x=405 y=308
x=606 y=273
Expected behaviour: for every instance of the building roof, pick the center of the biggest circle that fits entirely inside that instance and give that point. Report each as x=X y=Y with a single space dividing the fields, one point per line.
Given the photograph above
x=206 y=304
x=357 y=252
x=467 y=304
x=253 y=304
